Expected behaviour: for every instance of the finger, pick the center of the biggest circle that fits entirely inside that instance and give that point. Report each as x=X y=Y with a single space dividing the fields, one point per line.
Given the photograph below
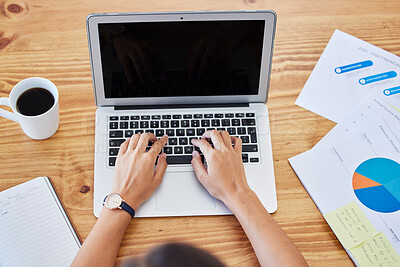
x=226 y=138
x=124 y=147
x=237 y=144
x=157 y=146
x=204 y=146
x=199 y=169
x=134 y=141
x=160 y=168
x=144 y=141
x=216 y=139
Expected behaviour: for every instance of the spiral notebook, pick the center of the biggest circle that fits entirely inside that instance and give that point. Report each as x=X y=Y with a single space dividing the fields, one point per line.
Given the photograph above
x=34 y=227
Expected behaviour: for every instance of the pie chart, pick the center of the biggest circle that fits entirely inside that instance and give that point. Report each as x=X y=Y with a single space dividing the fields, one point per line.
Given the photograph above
x=376 y=183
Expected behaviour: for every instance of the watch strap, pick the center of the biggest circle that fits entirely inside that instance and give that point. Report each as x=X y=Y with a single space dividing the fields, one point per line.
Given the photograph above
x=127 y=208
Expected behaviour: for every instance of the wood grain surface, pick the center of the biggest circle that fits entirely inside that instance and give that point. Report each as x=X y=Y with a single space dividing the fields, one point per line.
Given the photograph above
x=48 y=39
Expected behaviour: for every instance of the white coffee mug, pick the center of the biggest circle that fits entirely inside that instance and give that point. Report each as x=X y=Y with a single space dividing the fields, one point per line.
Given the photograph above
x=41 y=126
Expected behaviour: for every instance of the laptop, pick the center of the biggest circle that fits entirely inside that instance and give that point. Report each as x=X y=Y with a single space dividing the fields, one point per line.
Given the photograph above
x=181 y=74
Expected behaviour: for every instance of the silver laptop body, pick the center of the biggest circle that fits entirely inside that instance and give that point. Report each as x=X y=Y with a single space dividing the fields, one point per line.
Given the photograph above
x=182 y=73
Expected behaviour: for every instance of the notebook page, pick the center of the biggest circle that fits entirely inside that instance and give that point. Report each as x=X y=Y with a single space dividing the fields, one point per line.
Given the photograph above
x=34 y=230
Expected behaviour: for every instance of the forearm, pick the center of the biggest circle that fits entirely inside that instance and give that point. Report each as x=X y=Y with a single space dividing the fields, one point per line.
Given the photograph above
x=271 y=245
x=102 y=245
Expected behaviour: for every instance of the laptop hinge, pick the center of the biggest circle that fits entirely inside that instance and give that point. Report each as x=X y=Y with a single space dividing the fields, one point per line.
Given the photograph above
x=177 y=106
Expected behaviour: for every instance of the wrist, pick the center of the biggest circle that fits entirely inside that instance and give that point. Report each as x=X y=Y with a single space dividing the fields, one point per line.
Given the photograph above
x=241 y=199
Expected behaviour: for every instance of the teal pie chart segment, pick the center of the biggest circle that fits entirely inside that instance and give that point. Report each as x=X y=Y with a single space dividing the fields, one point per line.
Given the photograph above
x=381 y=177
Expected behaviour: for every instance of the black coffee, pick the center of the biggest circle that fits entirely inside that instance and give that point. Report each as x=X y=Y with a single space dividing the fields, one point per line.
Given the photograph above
x=35 y=101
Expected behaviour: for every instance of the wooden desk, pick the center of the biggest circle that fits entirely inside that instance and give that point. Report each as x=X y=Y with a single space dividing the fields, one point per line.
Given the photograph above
x=48 y=39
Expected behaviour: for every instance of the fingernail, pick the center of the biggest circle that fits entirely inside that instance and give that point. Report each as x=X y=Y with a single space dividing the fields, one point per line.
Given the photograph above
x=195 y=154
x=164 y=155
x=165 y=135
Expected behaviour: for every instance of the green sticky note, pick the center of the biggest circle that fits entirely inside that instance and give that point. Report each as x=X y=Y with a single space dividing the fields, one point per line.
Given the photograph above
x=377 y=251
x=350 y=225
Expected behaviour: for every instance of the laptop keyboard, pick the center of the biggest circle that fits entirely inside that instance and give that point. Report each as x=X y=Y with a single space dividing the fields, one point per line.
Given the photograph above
x=181 y=129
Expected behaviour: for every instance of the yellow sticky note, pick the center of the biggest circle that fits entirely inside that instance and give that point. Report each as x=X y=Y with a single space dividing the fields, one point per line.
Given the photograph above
x=377 y=251
x=350 y=225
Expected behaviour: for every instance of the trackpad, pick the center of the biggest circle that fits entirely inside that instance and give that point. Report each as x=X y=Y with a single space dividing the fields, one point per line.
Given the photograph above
x=182 y=191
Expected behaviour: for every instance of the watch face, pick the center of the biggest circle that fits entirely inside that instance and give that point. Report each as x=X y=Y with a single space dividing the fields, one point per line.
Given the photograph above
x=113 y=201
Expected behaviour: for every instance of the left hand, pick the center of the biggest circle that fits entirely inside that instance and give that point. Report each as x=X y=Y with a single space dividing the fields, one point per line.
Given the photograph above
x=135 y=178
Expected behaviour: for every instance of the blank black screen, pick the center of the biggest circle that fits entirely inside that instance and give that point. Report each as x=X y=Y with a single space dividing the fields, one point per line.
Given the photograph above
x=185 y=58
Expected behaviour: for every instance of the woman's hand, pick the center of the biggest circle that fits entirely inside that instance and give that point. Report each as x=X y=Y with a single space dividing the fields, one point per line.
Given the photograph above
x=135 y=177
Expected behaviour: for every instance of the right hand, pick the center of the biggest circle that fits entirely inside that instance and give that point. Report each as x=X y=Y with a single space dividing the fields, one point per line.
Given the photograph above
x=225 y=178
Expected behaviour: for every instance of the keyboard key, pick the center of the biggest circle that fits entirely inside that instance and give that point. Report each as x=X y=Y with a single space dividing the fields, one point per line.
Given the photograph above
x=168 y=150
x=113 y=151
x=241 y=130
x=116 y=142
x=144 y=124
x=178 y=150
x=254 y=160
x=124 y=118
x=170 y=132
x=128 y=133
x=219 y=115
x=123 y=125
x=239 y=115
x=113 y=125
x=245 y=158
x=134 y=124
x=191 y=138
x=159 y=132
x=198 y=116
x=208 y=115
x=166 y=117
x=183 y=159
x=215 y=123
x=188 y=149
x=231 y=131
x=180 y=132
x=175 y=124
x=183 y=141
x=248 y=122
x=172 y=141
x=251 y=130
x=249 y=148
x=187 y=116
x=226 y=122
x=116 y=134
x=195 y=123
x=200 y=131
x=111 y=161
x=250 y=115
x=190 y=132
x=253 y=138
x=139 y=131
x=154 y=124
x=156 y=117
x=221 y=129
x=113 y=118
x=145 y=117
x=164 y=124
x=177 y=117
x=185 y=123
x=134 y=117
x=229 y=115
x=235 y=122
x=149 y=131
x=245 y=139
x=205 y=123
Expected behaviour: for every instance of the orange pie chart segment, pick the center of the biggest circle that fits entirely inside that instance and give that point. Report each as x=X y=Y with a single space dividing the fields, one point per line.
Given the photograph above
x=360 y=182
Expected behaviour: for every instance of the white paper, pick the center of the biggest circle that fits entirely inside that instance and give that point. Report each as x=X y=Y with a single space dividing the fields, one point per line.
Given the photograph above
x=340 y=78
x=372 y=107
x=34 y=230
x=327 y=172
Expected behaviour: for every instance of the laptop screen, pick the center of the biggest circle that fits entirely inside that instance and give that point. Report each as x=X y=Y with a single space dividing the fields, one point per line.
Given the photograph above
x=185 y=58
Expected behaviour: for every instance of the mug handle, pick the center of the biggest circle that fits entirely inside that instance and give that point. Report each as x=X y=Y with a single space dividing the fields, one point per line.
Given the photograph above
x=4 y=113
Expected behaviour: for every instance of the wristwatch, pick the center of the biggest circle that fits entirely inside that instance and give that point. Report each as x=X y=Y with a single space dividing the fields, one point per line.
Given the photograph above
x=114 y=201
